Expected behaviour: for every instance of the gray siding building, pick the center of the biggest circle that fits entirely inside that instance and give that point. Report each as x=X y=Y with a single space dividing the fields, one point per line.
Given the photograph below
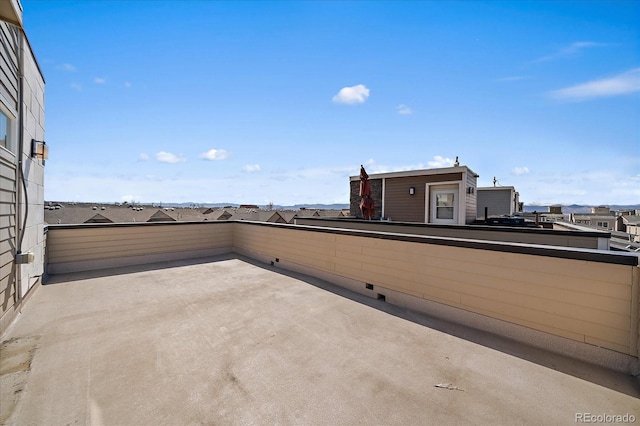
x=21 y=172
x=498 y=201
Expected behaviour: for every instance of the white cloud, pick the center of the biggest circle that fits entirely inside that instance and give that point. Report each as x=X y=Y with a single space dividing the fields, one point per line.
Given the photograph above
x=76 y=86
x=570 y=50
x=127 y=84
x=352 y=95
x=439 y=161
x=402 y=109
x=99 y=80
x=251 y=168
x=519 y=171
x=621 y=84
x=143 y=156
x=67 y=67
x=215 y=154
x=167 y=157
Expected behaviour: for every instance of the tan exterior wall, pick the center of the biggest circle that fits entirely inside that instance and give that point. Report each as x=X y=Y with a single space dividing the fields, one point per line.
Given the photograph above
x=93 y=247
x=587 y=301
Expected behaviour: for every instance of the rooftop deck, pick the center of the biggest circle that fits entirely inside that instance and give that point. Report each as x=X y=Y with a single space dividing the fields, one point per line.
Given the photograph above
x=228 y=340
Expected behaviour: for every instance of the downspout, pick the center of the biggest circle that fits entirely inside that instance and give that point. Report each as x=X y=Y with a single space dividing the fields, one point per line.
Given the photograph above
x=21 y=227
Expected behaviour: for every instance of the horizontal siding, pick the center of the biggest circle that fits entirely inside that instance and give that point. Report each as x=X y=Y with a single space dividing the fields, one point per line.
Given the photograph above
x=8 y=68
x=110 y=242
x=585 y=301
x=497 y=202
x=7 y=231
x=471 y=204
x=402 y=207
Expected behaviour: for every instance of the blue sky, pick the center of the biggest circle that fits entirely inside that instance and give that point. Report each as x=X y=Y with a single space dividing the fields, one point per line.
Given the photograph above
x=241 y=102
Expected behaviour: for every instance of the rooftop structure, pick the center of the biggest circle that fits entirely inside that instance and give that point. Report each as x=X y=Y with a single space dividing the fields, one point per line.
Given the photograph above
x=497 y=201
x=442 y=195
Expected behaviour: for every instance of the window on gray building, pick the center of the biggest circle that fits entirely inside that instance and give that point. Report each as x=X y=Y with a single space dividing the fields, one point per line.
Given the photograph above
x=5 y=131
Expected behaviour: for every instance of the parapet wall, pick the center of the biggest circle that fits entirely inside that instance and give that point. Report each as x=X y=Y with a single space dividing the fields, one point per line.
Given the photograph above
x=591 y=239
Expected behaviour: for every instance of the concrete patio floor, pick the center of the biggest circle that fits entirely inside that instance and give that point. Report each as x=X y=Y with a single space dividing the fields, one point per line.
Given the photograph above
x=227 y=340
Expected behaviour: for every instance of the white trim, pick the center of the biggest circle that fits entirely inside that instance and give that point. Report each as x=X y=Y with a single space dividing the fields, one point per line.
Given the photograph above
x=12 y=130
x=427 y=199
x=435 y=208
x=424 y=172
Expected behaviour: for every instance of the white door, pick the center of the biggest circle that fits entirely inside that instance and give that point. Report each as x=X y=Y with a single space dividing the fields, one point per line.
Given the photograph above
x=444 y=206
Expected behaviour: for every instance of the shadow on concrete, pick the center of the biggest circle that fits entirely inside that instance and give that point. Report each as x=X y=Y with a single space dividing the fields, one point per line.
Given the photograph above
x=613 y=380
x=601 y=376
x=133 y=269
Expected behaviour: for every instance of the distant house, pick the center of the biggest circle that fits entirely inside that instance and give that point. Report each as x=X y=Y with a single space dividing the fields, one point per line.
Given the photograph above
x=443 y=195
x=330 y=213
x=555 y=209
x=259 y=216
x=600 y=210
x=98 y=218
x=221 y=214
x=629 y=224
x=604 y=222
x=497 y=201
x=160 y=216
x=288 y=215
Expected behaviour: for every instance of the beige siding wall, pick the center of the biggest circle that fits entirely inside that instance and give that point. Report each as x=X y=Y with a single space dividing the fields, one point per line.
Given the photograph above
x=402 y=207
x=588 y=302
x=92 y=247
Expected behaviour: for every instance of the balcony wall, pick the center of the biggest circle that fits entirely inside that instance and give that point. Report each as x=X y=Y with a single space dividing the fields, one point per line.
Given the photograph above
x=591 y=239
x=582 y=296
x=73 y=248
